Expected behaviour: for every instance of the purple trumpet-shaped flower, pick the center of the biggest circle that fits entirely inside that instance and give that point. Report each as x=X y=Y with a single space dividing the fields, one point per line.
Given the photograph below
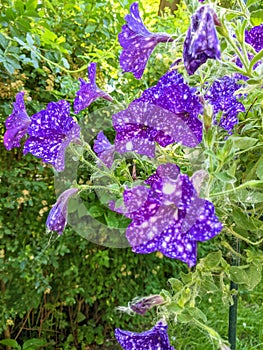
x=169 y=216
x=254 y=37
x=51 y=131
x=89 y=92
x=138 y=43
x=221 y=97
x=57 y=218
x=16 y=124
x=165 y=113
x=201 y=42
x=104 y=149
x=153 y=339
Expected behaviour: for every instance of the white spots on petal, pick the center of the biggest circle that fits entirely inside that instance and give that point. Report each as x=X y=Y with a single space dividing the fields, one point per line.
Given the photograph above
x=168 y=188
x=129 y=146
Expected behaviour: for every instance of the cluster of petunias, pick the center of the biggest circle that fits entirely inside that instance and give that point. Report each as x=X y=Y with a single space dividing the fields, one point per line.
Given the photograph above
x=166 y=212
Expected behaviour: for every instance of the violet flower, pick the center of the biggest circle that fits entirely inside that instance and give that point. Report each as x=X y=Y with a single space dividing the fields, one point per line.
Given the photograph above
x=104 y=149
x=201 y=42
x=221 y=97
x=138 y=43
x=165 y=113
x=16 y=124
x=169 y=216
x=51 y=131
x=254 y=37
x=142 y=305
x=57 y=218
x=89 y=92
x=153 y=339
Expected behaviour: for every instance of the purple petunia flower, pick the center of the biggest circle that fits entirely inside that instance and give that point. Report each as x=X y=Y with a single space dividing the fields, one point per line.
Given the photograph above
x=165 y=113
x=16 y=124
x=57 y=218
x=51 y=131
x=89 y=92
x=153 y=339
x=104 y=149
x=169 y=216
x=142 y=305
x=201 y=42
x=221 y=97
x=254 y=37
x=138 y=43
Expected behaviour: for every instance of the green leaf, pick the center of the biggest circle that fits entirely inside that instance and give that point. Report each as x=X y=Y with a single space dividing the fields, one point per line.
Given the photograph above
x=255 y=59
x=10 y=342
x=31 y=5
x=29 y=40
x=33 y=344
x=225 y=177
x=251 y=2
x=256 y=17
x=238 y=275
x=242 y=219
x=243 y=142
x=254 y=275
x=259 y=170
x=95 y=211
x=212 y=259
x=3 y=41
x=247 y=196
x=197 y=313
x=80 y=317
x=176 y=284
x=10 y=65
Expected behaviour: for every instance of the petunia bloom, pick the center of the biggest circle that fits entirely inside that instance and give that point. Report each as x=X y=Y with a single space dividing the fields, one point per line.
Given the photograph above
x=221 y=97
x=57 y=218
x=164 y=114
x=51 y=131
x=201 y=42
x=16 y=124
x=153 y=339
x=104 y=149
x=137 y=43
x=168 y=216
x=254 y=37
x=89 y=92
